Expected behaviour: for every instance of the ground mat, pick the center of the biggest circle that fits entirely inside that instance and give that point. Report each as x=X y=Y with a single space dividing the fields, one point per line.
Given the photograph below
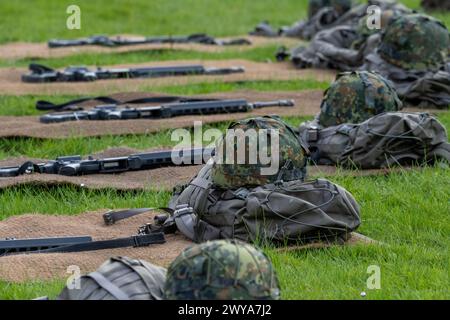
x=28 y=267
x=21 y=50
x=10 y=78
x=164 y=178
x=307 y=103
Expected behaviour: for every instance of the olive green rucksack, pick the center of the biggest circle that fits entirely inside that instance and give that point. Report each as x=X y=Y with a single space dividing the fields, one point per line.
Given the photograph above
x=120 y=278
x=391 y=138
x=293 y=211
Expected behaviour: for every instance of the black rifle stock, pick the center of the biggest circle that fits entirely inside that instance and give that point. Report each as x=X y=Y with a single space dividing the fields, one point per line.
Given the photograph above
x=116 y=112
x=40 y=73
x=74 y=165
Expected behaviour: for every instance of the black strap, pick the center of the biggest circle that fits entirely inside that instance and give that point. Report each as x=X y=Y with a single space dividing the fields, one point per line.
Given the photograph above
x=133 y=241
x=39 y=68
x=72 y=105
x=112 y=217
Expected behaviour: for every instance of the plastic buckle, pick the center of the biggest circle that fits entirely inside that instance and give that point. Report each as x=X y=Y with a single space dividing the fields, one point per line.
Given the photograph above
x=182 y=210
x=313 y=134
x=145 y=229
x=107 y=217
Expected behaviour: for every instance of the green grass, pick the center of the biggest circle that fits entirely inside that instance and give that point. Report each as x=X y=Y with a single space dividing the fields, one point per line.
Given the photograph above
x=25 y=105
x=406 y=211
x=258 y=54
x=72 y=200
x=413 y=228
x=40 y=20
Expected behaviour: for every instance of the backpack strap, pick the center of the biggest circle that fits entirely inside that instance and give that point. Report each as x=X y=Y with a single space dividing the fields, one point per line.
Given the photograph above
x=442 y=151
x=148 y=273
x=106 y=284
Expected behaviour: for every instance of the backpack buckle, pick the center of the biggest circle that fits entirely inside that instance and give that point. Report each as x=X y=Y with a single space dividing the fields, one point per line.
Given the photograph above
x=182 y=209
x=107 y=217
x=313 y=134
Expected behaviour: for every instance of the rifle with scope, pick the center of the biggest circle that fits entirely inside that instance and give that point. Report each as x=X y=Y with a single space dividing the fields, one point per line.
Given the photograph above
x=106 y=41
x=75 y=165
x=41 y=73
x=193 y=107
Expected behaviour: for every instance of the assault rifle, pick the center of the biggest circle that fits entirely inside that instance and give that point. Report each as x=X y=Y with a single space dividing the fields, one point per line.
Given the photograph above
x=76 y=244
x=194 y=107
x=75 y=165
x=106 y=41
x=41 y=73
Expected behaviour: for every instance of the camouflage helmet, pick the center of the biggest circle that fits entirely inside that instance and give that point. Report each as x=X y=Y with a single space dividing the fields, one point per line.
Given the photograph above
x=244 y=143
x=221 y=270
x=357 y=96
x=363 y=30
x=415 y=41
x=341 y=6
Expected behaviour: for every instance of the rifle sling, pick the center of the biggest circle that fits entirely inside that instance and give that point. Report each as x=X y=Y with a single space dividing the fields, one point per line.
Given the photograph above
x=72 y=105
x=133 y=241
x=112 y=217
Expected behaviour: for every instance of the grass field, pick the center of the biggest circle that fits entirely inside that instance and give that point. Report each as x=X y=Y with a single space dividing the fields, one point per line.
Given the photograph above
x=408 y=212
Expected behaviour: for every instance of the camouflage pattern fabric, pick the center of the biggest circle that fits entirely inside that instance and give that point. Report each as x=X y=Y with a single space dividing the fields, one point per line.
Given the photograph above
x=291 y=154
x=321 y=15
x=421 y=75
x=340 y=6
x=356 y=96
x=344 y=43
x=436 y=4
x=221 y=270
x=364 y=32
x=327 y=50
x=415 y=42
x=423 y=89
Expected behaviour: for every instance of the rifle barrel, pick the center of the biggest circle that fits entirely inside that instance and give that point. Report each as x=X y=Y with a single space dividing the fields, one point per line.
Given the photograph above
x=277 y=103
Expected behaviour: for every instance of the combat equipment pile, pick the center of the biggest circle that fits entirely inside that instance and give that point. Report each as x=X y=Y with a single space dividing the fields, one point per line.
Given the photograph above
x=106 y=41
x=40 y=73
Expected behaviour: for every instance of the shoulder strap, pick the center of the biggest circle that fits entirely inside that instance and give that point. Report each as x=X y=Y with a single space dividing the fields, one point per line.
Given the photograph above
x=72 y=105
x=112 y=217
x=146 y=272
x=133 y=241
x=106 y=284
